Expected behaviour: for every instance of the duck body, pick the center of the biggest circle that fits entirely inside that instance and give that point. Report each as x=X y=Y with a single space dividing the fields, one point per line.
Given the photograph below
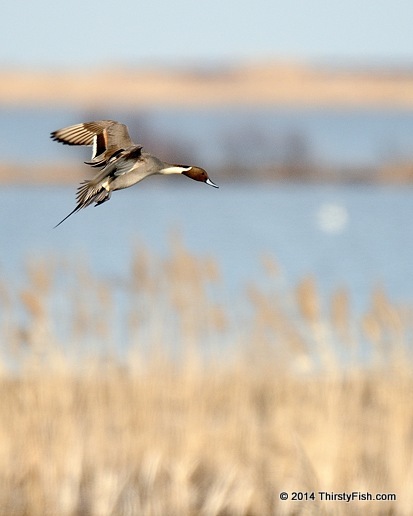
x=122 y=162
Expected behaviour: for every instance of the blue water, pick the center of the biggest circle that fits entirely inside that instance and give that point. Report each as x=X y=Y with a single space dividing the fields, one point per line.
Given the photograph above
x=367 y=241
x=254 y=136
x=355 y=237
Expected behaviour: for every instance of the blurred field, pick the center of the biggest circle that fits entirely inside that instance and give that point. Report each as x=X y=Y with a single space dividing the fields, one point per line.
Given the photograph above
x=272 y=83
x=198 y=404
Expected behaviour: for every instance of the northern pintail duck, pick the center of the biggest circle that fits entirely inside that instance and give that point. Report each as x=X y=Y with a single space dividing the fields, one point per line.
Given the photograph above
x=123 y=162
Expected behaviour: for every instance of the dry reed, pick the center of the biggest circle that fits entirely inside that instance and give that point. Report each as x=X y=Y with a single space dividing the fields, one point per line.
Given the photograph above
x=151 y=397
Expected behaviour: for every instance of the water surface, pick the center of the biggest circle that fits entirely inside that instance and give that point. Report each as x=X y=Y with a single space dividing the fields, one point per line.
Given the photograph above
x=355 y=237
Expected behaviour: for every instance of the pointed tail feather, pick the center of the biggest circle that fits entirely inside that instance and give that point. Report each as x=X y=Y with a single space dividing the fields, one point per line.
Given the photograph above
x=87 y=194
x=67 y=216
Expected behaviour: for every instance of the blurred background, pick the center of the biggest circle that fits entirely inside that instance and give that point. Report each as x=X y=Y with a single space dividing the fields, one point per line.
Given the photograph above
x=301 y=262
x=303 y=114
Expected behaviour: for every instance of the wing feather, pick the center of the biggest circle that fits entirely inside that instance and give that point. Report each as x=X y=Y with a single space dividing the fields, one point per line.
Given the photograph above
x=106 y=136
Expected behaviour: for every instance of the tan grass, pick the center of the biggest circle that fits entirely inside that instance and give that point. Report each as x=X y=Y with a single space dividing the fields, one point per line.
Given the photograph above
x=164 y=426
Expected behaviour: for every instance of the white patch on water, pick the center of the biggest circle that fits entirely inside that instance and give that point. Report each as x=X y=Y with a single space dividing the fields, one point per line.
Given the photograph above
x=332 y=217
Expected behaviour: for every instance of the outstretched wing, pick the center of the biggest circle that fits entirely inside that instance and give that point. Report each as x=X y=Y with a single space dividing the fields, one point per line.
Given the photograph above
x=106 y=136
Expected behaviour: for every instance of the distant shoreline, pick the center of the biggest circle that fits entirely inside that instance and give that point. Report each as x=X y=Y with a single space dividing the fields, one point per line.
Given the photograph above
x=70 y=174
x=255 y=85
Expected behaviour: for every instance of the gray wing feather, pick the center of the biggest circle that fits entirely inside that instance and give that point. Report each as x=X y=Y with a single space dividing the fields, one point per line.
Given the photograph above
x=81 y=134
x=106 y=136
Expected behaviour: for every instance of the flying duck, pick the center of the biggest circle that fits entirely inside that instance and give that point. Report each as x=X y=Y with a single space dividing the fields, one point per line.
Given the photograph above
x=122 y=162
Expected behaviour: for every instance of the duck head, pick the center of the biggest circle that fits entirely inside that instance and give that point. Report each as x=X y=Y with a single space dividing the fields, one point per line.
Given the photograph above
x=198 y=174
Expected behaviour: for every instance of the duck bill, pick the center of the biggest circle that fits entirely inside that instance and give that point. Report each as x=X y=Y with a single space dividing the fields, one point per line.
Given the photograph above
x=210 y=183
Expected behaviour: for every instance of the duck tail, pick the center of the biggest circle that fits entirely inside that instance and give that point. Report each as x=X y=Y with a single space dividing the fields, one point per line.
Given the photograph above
x=88 y=193
x=67 y=216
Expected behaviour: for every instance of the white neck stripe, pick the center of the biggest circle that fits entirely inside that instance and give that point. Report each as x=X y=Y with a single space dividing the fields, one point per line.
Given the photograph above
x=175 y=170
